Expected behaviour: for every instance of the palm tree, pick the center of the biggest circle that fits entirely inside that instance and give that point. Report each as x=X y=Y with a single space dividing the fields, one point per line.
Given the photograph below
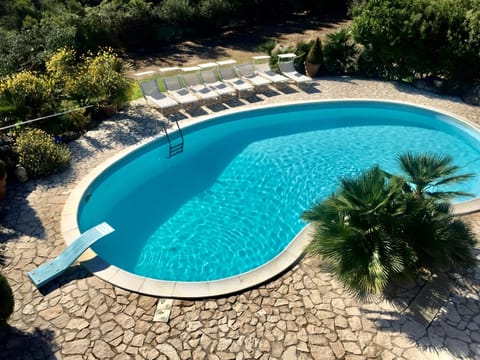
x=425 y=173
x=380 y=226
x=358 y=231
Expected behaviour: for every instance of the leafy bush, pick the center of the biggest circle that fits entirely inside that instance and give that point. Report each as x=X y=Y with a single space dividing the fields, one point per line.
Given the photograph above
x=39 y=154
x=301 y=51
x=105 y=78
x=6 y=300
x=26 y=95
x=63 y=126
x=216 y=13
x=268 y=46
x=119 y=24
x=379 y=227
x=97 y=78
x=340 y=52
x=408 y=39
x=179 y=12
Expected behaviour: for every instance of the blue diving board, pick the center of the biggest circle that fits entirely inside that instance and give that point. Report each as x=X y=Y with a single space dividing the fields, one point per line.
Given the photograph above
x=46 y=272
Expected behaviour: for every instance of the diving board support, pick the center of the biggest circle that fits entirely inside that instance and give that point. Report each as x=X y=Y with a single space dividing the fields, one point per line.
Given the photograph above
x=53 y=268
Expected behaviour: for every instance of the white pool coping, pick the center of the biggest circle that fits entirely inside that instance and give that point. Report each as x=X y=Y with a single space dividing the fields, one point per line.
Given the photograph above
x=177 y=289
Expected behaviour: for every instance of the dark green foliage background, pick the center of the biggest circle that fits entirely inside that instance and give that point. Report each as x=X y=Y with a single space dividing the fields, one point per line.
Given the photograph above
x=31 y=30
x=411 y=39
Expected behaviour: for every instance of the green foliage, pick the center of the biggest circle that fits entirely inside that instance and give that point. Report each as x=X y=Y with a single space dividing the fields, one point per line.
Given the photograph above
x=301 y=50
x=379 y=227
x=93 y=79
x=315 y=54
x=179 y=12
x=6 y=300
x=39 y=154
x=75 y=121
x=340 y=52
x=104 y=76
x=407 y=39
x=268 y=46
x=426 y=173
x=26 y=95
x=127 y=24
x=216 y=13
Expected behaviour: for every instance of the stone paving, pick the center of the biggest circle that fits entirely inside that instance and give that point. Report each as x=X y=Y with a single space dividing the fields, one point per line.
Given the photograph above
x=303 y=314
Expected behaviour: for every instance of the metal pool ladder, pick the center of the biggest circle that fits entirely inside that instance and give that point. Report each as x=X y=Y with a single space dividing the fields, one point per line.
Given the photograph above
x=175 y=147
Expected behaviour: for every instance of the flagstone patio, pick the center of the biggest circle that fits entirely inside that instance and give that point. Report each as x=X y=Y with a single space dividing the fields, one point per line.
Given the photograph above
x=303 y=314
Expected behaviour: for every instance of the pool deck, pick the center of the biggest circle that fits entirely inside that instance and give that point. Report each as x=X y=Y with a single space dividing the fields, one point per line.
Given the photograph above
x=302 y=314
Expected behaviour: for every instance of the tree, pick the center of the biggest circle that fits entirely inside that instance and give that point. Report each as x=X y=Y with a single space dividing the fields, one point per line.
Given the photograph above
x=92 y=79
x=426 y=173
x=379 y=226
x=340 y=52
x=407 y=39
x=358 y=231
x=26 y=95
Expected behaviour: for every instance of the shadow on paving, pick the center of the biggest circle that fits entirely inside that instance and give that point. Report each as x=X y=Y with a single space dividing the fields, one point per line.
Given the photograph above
x=413 y=90
x=17 y=216
x=141 y=124
x=16 y=344
x=73 y=273
x=432 y=318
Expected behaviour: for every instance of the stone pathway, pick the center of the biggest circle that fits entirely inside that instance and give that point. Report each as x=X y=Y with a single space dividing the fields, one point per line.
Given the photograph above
x=303 y=314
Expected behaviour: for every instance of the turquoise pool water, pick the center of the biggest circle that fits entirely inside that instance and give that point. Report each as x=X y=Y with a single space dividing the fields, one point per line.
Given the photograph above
x=232 y=201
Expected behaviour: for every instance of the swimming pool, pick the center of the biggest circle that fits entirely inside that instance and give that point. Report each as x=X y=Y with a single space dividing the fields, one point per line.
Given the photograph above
x=232 y=201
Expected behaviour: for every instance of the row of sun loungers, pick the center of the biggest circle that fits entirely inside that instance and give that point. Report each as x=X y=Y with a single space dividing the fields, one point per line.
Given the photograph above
x=213 y=81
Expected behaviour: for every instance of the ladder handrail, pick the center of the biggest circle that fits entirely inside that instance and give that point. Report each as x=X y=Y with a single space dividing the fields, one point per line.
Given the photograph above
x=179 y=129
x=174 y=149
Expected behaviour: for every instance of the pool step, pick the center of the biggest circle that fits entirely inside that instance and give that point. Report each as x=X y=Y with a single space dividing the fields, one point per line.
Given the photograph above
x=177 y=148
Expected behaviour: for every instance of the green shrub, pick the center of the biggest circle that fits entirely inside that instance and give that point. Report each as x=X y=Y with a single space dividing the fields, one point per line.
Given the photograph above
x=315 y=54
x=216 y=13
x=106 y=77
x=410 y=39
x=26 y=95
x=178 y=12
x=73 y=121
x=6 y=300
x=267 y=46
x=39 y=154
x=96 y=78
x=340 y=52
x=301 y=51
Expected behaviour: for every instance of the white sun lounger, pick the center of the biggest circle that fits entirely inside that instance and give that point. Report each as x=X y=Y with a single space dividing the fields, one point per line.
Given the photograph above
x=155 y=97
x=247 y=71
x=175 y=88
x=195 y=83
x=228 y=75
x=209 y=74
x=53 y=268
x=286 y=66
x=262 y=68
